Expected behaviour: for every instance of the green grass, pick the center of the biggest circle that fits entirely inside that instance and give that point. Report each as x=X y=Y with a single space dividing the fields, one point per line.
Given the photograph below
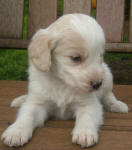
x=25 y=20
x=93 y=13
x=125 y=38
x=118 y=56
x=14 y=63
x=60 y=7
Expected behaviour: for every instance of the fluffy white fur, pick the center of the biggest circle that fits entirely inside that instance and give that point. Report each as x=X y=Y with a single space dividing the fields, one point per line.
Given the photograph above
x=61 y=87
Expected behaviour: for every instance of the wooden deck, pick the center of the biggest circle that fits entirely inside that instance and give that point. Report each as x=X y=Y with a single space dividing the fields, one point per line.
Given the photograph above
x=116 y=134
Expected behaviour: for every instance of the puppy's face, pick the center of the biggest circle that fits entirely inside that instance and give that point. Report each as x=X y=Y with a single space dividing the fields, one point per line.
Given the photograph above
x=78 y=63
x=74 y=57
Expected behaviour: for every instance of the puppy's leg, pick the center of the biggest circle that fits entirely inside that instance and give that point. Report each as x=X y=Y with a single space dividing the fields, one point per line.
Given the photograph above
x=88 y=120
x=112 y=104
x=17 y=102
x=109 y=100
x=30 y=116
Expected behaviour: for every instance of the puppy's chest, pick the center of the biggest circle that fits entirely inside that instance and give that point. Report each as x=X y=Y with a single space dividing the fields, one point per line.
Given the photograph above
x=64 y=112
x=63 y=100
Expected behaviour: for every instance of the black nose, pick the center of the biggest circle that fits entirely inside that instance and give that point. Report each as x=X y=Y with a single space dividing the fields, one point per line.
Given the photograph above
x=96 y=84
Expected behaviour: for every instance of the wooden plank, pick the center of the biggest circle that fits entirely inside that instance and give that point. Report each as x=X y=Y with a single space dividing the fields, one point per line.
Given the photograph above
x=123 y=93
x=118 y=47
x=116 y=128
x=108 y=124
x=118 y=122
x=13 y=91
x=125 y=116
x=60 y=138
x=110 y=15
x=41 y=14
x=110 y=47
x=6 y=100
x=14 y=43
x=8 y=114
x=130 y=24
x=13 y=84
x=11 y=18
x=77 y=6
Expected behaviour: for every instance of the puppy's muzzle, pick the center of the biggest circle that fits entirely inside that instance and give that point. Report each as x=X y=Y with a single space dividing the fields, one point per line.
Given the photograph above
x=96 y=85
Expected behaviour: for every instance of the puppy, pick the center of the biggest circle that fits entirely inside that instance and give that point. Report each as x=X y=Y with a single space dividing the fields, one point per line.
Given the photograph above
x=67 y=79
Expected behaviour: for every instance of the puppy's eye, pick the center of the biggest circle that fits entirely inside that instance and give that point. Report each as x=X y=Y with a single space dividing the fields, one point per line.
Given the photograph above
x=76 y=58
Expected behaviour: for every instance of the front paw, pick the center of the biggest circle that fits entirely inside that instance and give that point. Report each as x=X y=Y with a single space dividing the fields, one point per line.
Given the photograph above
x=17 y=102
x=119 y=106
x=16 y=136
x=84 y=137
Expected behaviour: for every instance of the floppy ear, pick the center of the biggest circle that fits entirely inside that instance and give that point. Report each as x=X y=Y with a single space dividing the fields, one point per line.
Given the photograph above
x=40 y=51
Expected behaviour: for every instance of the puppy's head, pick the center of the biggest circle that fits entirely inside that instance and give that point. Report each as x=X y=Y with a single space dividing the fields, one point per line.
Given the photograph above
x=72 y=49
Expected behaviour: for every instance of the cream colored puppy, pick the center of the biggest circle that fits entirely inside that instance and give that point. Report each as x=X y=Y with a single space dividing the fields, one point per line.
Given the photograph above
x=67 y=79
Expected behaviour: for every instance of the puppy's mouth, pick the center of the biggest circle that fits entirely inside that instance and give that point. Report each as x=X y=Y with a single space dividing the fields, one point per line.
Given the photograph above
x=90 y=87
x=96 y=85
x=84 y=89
